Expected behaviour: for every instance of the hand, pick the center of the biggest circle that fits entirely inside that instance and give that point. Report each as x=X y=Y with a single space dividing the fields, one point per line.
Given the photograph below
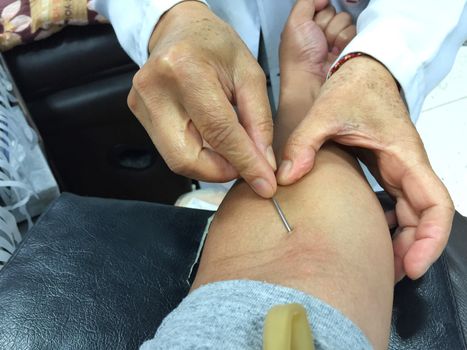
x=360 y=106
x=184 y=96
x=312 y=38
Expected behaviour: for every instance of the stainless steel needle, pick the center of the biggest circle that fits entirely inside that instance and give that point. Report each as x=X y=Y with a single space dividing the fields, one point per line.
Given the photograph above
x=281 y=214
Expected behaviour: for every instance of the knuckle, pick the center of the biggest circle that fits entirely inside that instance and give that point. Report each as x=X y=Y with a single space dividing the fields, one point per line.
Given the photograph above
x=294 y=143
x=181 y=164
x=345 y=35
x=132 y=102
x=142 y=79
x=177 y=62
x=330 y=11
x=345 y=17
x=173 y=54
x=327 y=10
x=245 y=163
x=258 y=75
x=174 y=63
x=265 y=126
x=219 y=134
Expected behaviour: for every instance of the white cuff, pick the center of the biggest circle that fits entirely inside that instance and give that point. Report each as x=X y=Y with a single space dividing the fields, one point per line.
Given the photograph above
x=134 y=22
x=417 y=44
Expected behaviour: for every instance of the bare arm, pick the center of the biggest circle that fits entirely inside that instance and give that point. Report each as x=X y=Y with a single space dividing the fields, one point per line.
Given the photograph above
x=340 y=248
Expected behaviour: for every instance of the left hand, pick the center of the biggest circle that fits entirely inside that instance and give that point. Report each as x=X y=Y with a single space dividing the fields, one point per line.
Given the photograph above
x=360 y=106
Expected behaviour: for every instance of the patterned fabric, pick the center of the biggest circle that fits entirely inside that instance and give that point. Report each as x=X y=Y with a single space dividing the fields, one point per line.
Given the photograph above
x=23 y=21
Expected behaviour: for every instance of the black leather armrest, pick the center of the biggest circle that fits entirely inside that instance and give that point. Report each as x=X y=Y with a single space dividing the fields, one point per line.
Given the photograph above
x=102 y=274
x=97 y=274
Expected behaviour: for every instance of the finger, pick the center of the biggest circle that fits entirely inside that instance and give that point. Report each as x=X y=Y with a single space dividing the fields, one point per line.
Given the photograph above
x=431 y=238
x=323 y=17
x=301 y=147
x=337 y=24
x=207 y=105
x=433 y=229
x=431 y=199
x=255 y=111
x=401 y=243
x=406 y=215
x=206 y=164
x=344 y=38
x=178 y=142
x=404 y=236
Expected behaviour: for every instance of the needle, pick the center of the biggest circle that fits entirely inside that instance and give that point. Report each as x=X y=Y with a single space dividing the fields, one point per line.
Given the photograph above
x=281 y=214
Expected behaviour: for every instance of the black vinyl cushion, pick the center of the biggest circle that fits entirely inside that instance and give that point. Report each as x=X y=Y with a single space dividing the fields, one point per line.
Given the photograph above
x=97 y=274
x=102 y=274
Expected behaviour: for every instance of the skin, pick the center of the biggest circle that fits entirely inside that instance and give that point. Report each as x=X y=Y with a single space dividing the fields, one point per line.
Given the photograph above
x=199 y=69
x=380 y=130
x=184 y=95
x=345 y=260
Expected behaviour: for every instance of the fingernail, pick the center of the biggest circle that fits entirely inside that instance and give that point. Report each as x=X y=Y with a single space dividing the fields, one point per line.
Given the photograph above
x=271 y=158
x=284 y=171
x=262 y=187
x=335 y=50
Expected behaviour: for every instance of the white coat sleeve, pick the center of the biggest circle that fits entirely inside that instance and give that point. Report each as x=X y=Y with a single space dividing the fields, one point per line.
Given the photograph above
x=417 y=40
x=134 y=21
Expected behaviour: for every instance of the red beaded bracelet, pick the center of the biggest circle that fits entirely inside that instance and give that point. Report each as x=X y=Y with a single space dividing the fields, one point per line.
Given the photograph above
x=348 y=57
x=343 y=59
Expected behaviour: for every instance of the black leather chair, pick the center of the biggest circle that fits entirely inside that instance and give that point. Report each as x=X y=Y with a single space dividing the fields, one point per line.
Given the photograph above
x=102 y=274
x=75 y=85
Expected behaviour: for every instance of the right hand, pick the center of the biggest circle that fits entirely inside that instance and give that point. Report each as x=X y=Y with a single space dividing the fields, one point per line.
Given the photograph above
x=185 y=94
x=360 y=106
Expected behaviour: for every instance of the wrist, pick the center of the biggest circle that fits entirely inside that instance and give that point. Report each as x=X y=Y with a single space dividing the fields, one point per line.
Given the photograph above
x=298 y=88
x=296 y=98
x=368 y=69
x=185 y=9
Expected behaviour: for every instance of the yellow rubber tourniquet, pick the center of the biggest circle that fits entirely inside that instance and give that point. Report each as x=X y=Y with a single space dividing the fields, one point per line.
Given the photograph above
x=286 y=328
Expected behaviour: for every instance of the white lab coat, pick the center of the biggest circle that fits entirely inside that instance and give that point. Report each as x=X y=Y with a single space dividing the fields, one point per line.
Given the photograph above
x=417 y=40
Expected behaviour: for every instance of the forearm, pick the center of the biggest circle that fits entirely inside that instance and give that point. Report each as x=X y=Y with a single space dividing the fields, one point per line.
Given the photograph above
x=339 y=250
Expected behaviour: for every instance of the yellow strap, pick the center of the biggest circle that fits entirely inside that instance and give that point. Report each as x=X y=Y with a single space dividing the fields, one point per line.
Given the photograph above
x=286 y=328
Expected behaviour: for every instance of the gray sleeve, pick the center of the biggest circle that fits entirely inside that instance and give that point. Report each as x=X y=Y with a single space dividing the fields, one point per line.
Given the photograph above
x=230 y=315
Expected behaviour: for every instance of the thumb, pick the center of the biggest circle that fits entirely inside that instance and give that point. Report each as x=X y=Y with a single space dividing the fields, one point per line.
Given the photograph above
x=300 y=150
